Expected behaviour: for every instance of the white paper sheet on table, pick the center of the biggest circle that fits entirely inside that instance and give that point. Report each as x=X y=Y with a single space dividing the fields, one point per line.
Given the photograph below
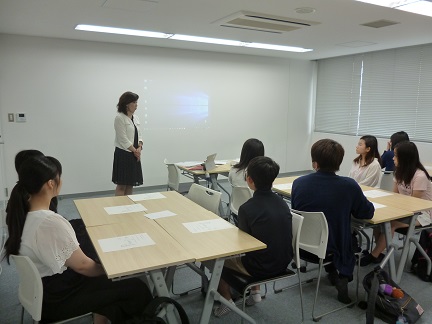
x=147 y=196
x=377 y=206
x=134 y=208
x=188 y=163
x=161 y=214
x=283 y=186
x=119 y=243
x=376 y=193
x=207 y=225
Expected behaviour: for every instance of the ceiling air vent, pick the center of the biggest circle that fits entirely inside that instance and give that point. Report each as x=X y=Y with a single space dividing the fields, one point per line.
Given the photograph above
x=380 y=23
x=263 y=22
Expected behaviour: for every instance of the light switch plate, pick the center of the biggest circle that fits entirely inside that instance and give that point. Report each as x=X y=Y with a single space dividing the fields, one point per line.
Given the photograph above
x=11 y=117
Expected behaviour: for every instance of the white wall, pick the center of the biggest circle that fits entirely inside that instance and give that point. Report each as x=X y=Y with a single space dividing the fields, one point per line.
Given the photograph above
x=349 y=144
x=69 y=90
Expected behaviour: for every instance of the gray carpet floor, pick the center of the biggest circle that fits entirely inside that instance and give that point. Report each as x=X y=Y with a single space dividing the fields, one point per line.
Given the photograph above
x=283 y=307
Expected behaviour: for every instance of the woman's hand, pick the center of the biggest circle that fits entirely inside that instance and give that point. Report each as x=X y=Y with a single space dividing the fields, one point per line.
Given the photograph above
x=137 y=153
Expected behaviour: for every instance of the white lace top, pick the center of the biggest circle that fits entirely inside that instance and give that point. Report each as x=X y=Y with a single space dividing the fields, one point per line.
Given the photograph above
x=48 y=240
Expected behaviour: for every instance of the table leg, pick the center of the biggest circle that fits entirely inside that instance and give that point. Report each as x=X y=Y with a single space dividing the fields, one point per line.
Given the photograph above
x=213 y=181
x=162 y=290
x=390 y=250
x=216 y=267
x=405 y=249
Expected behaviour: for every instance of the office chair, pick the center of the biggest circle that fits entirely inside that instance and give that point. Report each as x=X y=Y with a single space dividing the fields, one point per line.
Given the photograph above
x=173 y=177
x=30 y=290
x=243 y=284
x=205 y=197
x=313 y=239
x=239 y=195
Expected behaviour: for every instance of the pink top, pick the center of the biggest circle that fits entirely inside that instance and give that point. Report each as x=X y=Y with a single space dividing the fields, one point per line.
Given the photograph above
x=418 y=182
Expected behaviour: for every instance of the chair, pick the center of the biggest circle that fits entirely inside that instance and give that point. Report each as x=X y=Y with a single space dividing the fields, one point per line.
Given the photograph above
x=313 y=239
x=239 y=195
x=173 y=177
x=30 y=289
x=387 y=181
x=205 y=197
x=243 y=283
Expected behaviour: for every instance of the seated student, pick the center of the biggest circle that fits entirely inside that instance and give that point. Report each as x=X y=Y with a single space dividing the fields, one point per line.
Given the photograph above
x=267 y=217
x=73 y=284
x=77 y=224
x=338 y=198
x=412 y=179
x=387 y=156
x=366 y=168
x=251 y=148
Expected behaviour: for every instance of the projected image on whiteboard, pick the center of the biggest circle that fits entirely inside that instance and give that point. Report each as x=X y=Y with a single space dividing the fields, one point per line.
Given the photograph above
x=168 y=105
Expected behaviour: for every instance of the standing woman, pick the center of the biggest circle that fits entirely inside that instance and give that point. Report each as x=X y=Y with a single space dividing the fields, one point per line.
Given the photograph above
x=73 y=284
x=366 y=168
x=411 y=179
x=127 y=171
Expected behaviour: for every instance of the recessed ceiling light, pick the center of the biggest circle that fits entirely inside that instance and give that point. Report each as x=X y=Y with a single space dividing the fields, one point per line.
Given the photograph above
x=304 y=10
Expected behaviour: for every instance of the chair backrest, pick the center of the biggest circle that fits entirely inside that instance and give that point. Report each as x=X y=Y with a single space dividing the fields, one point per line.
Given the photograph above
x=30 y=289
x=205 y=197
x=173 y=176
x=387 y=181
x=239 y=195
x=314 y=233
x=297 y=223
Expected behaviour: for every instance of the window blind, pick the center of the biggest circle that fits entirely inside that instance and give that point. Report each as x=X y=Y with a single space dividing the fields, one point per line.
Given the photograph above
x=376 y=93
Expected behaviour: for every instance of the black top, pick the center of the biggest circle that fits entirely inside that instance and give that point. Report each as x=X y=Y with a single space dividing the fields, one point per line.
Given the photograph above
x=267 y=217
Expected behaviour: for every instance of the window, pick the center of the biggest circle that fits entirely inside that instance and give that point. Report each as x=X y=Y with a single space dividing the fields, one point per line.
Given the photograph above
x=376 y=93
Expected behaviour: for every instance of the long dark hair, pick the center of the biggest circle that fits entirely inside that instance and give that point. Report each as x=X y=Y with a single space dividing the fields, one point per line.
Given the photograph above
x=251 y=148
x=32 y=175
x=408 y=162
x=373 y=153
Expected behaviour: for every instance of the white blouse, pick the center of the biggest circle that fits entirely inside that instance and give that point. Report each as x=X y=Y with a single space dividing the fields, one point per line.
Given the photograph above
x=368 y=175
x=125 y=131
x=48 y=240
x=237 y=178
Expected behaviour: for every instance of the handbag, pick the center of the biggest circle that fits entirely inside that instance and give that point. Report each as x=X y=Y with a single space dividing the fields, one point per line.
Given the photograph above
x=385 y=304
x=152 y=309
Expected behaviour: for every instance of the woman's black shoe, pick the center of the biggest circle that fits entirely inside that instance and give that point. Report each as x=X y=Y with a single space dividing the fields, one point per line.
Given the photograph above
x=368 y=259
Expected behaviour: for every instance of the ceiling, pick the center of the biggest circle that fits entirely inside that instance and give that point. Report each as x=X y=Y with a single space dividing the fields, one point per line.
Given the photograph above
x=338 y=30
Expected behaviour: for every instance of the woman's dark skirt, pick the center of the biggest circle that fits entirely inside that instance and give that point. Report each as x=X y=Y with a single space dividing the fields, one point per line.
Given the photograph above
x=126 y=169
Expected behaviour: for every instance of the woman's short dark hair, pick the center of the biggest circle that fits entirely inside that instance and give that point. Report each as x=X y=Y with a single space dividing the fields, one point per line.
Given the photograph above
x=397 y=138
x=251 y=148
x=408 y=161
x=328 y=154
x=263 y=170
x=125 y=99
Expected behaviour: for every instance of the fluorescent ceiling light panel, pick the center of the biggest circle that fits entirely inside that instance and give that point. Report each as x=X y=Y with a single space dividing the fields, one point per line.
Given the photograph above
x=421 y=7
x=277 y=47
x=206 y=40
x=188 y=38
x=122 y=31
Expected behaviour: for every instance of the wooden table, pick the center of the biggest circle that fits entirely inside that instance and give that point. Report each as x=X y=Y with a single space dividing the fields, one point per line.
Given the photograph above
x=205 y=246
x=175 y=244
x=223 y=169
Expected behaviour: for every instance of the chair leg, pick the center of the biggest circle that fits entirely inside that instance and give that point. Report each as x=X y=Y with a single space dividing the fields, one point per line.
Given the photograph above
x=22 y=314
x=316 y=318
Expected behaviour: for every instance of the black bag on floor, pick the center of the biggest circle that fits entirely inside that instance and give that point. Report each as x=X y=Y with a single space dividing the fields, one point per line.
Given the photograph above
x=387 y=307
x=153 y=308
x=418 y=261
